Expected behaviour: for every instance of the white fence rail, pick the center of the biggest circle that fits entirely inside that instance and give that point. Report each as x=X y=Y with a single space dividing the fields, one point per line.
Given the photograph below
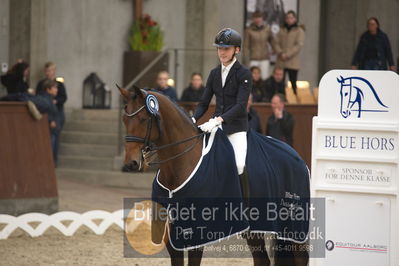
x=55 y=220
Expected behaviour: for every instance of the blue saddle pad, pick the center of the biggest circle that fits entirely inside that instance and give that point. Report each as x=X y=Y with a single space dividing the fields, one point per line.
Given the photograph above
x=208 y=206
x=279 y=187
x=196 y=208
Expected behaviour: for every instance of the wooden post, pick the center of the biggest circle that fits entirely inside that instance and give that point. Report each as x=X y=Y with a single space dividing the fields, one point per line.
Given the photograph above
x=138 y=9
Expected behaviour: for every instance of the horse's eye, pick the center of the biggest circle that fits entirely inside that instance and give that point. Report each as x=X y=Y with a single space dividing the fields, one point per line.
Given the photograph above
x=346 y=94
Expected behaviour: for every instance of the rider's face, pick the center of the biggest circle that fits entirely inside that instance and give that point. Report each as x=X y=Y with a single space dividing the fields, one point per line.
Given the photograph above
x=226 y=54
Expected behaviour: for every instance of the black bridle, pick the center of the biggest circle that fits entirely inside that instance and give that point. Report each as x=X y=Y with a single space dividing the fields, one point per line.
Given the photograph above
x=150 y=148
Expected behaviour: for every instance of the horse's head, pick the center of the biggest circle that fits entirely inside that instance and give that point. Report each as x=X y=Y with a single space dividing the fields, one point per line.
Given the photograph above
x=345 y=92
x=141 y=128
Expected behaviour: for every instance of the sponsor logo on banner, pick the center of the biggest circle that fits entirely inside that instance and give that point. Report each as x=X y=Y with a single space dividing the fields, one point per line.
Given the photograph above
x=356 y=95
x=329 y=245
x=356 y=246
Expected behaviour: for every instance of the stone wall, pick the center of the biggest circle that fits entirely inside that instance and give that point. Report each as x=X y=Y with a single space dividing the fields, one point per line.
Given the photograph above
x=88 y=36
x=4 y=36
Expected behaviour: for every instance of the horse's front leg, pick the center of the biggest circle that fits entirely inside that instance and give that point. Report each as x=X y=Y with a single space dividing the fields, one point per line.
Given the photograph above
x=301 y=254
x=176 y=257
x=257 y=247
x=195 y=256
x=289 y=253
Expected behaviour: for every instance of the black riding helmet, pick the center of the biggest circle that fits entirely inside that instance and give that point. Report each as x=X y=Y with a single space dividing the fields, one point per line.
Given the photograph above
x=228 y=38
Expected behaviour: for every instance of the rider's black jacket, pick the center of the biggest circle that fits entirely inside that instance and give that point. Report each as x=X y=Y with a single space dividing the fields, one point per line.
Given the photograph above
x=231 y=100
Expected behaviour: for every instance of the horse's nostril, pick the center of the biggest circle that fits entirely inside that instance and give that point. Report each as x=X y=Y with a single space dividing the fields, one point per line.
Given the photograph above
x=131 y=166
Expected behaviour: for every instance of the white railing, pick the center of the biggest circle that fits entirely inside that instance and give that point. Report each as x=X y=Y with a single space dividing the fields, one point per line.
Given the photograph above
x=55 y=220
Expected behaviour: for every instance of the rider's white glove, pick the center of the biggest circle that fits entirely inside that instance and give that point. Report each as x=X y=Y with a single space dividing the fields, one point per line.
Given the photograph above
x=194 y=121
x=211 y=124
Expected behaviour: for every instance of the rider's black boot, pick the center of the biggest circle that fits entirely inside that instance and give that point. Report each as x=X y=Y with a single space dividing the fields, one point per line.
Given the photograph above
x=244 y=181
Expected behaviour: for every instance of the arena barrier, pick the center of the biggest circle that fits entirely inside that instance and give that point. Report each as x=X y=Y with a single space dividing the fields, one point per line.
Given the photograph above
x=55 y=220
x=27 y=175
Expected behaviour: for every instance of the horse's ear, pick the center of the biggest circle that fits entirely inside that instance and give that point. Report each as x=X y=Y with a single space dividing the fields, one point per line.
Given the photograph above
x=138 y=91
x=124 y=92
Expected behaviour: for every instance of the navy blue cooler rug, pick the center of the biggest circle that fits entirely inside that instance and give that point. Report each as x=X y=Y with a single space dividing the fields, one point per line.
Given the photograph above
x=208 y=207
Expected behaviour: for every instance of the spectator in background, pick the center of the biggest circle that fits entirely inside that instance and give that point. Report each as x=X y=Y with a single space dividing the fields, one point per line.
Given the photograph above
x=258 y=90
x=48 y=94
x=280 y=124
x=61 y=97
x=274 y=84
x=374 y=49
x=194 y=92
x=163 y=87
x=253 y=117
x=257 y=42
x=15 y=80
x=58 y=100
x=287 y=45
x=42 y=103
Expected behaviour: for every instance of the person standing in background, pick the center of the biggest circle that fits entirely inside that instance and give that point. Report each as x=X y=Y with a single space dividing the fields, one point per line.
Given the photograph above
x=257 y=42
x=61 y=97
x=258 y=90
x=16 y=79
x=280 y=124
x=50 y=91
x=59 y=100
x=287 y=45
x=163 y=87
x=253 y=117
x=274 y=84
x=194 y=92
x=374 y=49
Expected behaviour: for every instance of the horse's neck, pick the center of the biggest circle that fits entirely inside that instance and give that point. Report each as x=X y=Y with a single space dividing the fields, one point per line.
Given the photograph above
x=175 y=172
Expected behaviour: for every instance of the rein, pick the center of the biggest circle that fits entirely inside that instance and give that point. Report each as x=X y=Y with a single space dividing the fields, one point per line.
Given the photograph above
x=149 y=147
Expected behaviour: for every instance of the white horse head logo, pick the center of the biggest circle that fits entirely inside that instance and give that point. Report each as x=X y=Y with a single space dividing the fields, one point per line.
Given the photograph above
x=355 y=97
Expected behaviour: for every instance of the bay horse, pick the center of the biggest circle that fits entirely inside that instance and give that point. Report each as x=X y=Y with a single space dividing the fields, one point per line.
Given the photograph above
x=177 y=142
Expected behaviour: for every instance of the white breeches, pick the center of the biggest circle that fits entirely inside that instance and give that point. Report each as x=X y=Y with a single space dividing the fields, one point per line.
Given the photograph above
x=264 y=66
x=239 y=142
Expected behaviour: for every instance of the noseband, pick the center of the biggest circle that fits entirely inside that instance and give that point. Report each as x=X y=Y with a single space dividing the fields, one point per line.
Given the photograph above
x=146 y=140
x=149 y=149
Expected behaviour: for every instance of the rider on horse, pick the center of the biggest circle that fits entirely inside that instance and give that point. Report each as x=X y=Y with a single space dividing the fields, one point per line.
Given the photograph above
x=231 y=83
